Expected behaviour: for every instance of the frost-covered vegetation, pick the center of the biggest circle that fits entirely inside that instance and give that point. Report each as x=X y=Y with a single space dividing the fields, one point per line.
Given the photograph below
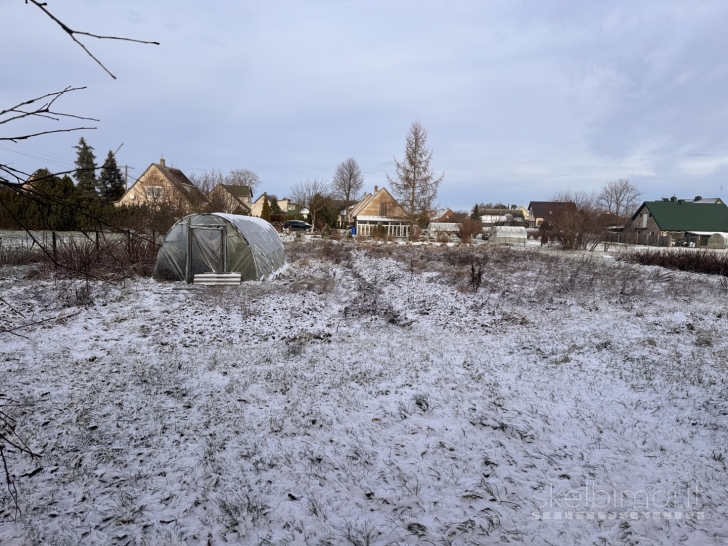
x=388 y=394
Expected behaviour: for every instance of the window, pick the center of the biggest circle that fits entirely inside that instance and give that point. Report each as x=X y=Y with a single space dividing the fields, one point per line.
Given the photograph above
x=382 y=209
x=154 y=192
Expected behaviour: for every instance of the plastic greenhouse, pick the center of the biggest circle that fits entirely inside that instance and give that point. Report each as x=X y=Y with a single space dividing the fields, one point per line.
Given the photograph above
x=718 y=240
x=219 y=243
x=513 y=235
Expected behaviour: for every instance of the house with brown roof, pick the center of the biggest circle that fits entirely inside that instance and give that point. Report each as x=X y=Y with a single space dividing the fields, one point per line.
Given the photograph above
x=441 y=215
x=162 y=186
x=545 y=211
x=379 y=212
x=231 y=199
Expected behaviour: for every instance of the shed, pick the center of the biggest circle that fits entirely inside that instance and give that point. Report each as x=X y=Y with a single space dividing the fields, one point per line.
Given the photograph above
x=514 y=235
x=219 y=243
x=718 y=240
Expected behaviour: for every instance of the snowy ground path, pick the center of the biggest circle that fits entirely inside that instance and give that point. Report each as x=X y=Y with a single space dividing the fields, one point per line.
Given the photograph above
x=368 y=396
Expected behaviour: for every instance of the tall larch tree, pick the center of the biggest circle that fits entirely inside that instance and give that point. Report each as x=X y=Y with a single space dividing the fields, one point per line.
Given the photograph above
x=415 y=184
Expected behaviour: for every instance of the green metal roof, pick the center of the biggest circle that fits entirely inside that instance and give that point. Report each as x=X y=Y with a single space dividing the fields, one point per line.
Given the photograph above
x=687 y=216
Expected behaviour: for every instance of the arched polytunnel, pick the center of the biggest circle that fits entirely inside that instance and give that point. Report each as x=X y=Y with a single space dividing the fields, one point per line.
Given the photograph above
x=219 y=243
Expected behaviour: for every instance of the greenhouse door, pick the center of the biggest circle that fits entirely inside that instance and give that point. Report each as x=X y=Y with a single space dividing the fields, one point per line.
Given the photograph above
x=206 y=252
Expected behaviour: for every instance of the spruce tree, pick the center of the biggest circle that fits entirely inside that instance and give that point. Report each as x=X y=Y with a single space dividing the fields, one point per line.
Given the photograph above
x=111 y=181
x=265 y=213
x=475 y=215
x=85 y=174
x=275 y=208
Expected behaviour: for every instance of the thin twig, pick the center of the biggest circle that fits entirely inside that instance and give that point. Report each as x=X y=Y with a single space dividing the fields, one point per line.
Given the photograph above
x=15 y=139
x=72 y=33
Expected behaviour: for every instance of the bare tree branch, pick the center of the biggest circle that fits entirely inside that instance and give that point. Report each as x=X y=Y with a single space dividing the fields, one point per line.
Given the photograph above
x=15 y=139
x=72 y=33
x=19 y=112
x=45 y=109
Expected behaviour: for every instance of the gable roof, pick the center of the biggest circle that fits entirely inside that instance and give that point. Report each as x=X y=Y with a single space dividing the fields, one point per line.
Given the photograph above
x=237 y=191
x=380 y=196
x=548 y=209
x=361 y=204
x=681 y=215
x=177 y=179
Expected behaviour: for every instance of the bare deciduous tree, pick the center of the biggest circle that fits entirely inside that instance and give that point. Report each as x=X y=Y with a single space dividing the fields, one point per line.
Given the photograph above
x=348 y=180
x=244 y=177
x=620 y=198
x=207 y=180
x=415 y=184
x=310 y=194
x=580 y=223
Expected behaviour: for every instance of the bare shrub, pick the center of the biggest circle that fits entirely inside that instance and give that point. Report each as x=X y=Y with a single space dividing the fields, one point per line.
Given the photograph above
x=379 y=233
x=476 y=277
x=579 y=223
x=694 y=261
x=470 y=228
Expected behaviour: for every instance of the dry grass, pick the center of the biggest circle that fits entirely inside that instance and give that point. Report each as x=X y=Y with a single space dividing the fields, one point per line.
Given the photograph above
x=19 y=256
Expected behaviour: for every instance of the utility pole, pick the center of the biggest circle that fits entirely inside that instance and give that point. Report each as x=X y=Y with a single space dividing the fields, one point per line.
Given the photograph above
x=126 y=176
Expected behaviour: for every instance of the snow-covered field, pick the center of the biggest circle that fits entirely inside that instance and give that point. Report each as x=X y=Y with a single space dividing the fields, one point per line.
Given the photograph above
x=368 y=395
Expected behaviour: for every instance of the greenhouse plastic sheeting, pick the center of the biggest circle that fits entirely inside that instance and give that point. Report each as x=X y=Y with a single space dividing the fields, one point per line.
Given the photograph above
x=219 y=243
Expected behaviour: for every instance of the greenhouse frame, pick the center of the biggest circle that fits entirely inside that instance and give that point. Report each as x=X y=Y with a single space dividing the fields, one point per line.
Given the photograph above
x=509 y=235
x=219 y=243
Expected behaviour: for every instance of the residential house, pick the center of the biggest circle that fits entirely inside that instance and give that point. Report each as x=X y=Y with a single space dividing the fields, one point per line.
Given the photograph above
x=679 y=220
x=162 y=186
x=380 y=211
x=231 y=199
x=501 y=217
x=441 y=216
x=545 y=211
x=288 y=207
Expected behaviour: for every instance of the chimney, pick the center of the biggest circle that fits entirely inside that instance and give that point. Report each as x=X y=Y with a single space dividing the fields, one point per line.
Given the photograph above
x=161 y=161
x=376 y=189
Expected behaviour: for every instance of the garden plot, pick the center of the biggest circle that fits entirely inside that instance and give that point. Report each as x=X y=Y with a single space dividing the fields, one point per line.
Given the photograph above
x=371 y=395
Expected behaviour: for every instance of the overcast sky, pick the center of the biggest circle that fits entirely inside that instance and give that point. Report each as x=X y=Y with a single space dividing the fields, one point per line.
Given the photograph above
x=521 y=99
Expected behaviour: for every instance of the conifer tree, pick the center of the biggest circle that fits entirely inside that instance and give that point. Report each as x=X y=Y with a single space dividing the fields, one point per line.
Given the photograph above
x=265 y=213
x=275 y=208
x=415 y=184
x=475 y=215
x=111 y=181
x=85 y=174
